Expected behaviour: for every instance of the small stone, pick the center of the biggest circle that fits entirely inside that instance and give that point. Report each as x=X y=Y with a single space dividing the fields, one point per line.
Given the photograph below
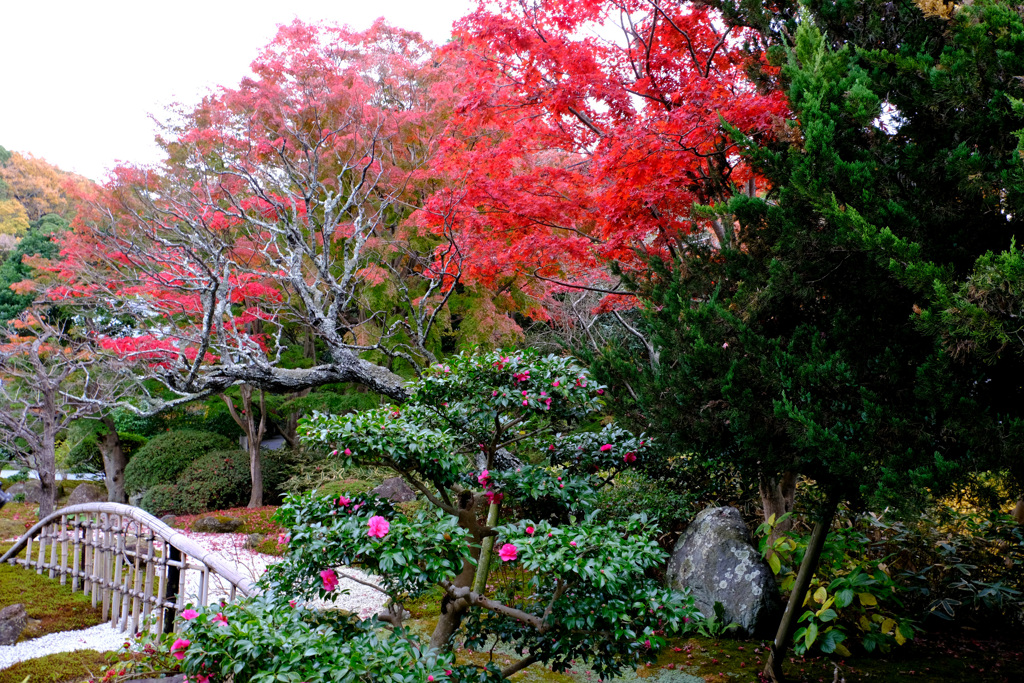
x=252 y=540
x=169 y=520
x=12 y=622
x=216 y=524
x=396 y=490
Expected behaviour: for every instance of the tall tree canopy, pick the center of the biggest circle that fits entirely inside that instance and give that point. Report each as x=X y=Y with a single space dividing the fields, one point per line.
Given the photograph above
x=586 y=131
x=821 y=339
x=282 y=205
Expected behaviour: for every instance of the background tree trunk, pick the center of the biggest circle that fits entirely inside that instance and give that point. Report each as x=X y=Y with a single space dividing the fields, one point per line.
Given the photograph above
x=114 y=462
x=253 y=436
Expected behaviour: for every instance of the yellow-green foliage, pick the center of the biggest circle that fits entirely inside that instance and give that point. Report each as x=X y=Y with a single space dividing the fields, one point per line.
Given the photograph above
x=64 y=667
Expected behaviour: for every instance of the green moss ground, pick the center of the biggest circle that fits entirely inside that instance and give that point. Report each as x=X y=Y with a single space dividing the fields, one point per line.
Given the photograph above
x=66 y=667
x=54 y=607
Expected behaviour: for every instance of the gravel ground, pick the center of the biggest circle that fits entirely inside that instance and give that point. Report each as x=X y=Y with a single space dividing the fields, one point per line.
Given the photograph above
x=361 y=599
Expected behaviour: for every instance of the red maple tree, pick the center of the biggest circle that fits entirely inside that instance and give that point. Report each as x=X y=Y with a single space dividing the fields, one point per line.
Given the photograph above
x=586 y=132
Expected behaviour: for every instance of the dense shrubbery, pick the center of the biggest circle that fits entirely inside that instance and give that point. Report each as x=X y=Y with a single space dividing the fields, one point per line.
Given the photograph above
x=218 y=480
x=166 y=456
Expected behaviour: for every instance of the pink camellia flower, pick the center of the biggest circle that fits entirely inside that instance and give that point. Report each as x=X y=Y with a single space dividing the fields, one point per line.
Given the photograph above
x=344 y=500
x=348 y=451
x=600 y=392
x=330 y=579
x=200 y=678
x=629 y=457
x=551 y=447
x=524 y=393
x=572 y=543
x=291 y=603
x=189 y=614
x=220 y=619
x=526 y=403
x=725 y=345
x=530 y=530
x=334 y=452
x=606 y=447
x=179 y=647
x=555 y=383
x=430 y=679
x=379 y=527
x=494 y=497
x=508 y=552
x=494 y=393
x=483 y=478
x=283 y=538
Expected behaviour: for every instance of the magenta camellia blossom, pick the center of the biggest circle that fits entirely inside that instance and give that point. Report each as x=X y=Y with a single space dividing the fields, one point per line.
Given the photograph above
x=606 y=447
x=348 y=452
x=600 y=392
x=483 y=478
x=220 y=619
x=379 y=527
x=530 y=530
x=344 y=500
x=508 y=552
x=334 y=452
x=283 y=538
x=572 y=543
x=189 y=614
x=291 y=603
x=178 y=648
x=629 y=457
x=330 y=579
x=526 y=403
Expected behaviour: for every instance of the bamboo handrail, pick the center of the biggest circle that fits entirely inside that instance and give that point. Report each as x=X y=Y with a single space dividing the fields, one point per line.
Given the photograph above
x=133 y=565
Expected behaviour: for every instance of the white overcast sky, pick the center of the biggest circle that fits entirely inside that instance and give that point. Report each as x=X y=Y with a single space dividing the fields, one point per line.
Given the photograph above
x=81 y=77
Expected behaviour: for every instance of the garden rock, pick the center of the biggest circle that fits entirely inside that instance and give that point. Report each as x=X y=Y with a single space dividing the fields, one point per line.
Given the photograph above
x=216 y=524
x=252 y=540
x=169 y=520
x=714 y=558
x=396 y=490
x=12 y=622
x=30 y=489
x=87 y=493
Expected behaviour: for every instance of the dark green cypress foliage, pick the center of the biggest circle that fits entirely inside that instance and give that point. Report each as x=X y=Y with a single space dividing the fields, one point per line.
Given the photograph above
x=826 y=339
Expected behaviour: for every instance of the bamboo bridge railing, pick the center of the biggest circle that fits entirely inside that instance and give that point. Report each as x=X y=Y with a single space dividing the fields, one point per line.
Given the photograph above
x=127 y=560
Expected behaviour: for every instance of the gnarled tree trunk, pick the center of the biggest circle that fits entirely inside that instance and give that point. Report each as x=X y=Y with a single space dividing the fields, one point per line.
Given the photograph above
x=114 y=462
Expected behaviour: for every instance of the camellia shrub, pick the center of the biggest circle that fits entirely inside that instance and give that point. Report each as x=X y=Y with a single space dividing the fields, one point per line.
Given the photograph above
x=166 y=456
x=481 y=437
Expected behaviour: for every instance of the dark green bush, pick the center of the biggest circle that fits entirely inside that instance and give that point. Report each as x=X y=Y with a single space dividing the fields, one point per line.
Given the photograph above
x=166 y=456
x=216 y=481
x=278 y=467
x=162 y=499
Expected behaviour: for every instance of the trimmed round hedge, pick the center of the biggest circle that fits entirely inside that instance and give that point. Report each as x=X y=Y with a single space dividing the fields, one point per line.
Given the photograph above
x=166 y=456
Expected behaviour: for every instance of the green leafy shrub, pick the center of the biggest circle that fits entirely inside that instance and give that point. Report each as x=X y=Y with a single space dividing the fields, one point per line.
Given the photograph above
x=216 y=481
x=278 y=467
x=166 y=456
x=162 y=499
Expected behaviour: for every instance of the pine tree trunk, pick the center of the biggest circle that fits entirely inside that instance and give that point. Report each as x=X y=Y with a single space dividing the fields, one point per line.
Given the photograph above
x=778 y=493
x=773 y=667
x=114 y=462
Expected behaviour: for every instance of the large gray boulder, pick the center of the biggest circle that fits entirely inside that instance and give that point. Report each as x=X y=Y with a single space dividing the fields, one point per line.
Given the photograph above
x=396 y=490
x=12 y=622
x=87 y=493
x=715 y=559
x=30 y=489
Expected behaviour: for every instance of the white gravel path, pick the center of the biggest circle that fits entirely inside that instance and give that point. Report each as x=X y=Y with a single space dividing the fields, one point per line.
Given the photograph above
x=360 y=599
